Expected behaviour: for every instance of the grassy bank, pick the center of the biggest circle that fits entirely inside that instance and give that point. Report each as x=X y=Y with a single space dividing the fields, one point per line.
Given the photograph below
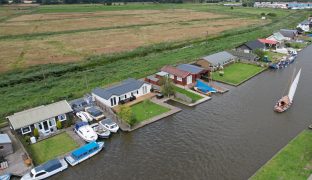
x=146 y=110
x=189 y=94
x=237 y=73
x=292 y=162
x=52 y=147
x=44 y=84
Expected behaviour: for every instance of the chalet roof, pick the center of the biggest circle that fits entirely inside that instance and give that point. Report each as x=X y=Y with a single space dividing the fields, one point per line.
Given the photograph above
x=175 y=71
x=190 y=68
x=268 y=41
x=38 y=114
x=255 y=44
x=245 y=56
x=218 y=58
x=288 y=33
x=120 y=89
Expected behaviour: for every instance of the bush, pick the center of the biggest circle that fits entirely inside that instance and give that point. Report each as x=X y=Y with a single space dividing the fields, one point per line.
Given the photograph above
x=36 y=133
x=232 y=7
x=262 y=14
x=271 y=14
x=59 y=125
x=27 y=139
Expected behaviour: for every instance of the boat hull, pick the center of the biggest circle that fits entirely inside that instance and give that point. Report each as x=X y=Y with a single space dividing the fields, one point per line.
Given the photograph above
x=283 y=104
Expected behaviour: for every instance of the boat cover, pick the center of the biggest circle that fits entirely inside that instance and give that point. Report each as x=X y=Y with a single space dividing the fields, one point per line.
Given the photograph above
x=204 y=87
x=85 y=149
x=80 y=124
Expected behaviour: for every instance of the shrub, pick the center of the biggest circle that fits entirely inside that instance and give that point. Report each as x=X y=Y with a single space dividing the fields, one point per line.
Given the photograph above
x=36 y=133
x=132 y=120
x=271 y=14
x=27 y=138
x=262 y=14
x=232 y=7
x=59 y=125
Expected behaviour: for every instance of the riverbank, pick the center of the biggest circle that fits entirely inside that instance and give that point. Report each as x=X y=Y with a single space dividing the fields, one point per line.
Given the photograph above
x=291 y=162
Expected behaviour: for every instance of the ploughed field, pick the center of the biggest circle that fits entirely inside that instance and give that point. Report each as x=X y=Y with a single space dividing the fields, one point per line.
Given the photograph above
x=41 y=38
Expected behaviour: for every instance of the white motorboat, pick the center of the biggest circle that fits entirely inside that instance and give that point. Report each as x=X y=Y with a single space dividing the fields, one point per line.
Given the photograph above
x=84 y=116
x=84 y=153
x=84 y=130
x=109 y=125
x=46 y=170
x=100 y=131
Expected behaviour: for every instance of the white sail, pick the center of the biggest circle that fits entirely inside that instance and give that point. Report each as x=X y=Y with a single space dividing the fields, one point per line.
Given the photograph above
x=293 y=86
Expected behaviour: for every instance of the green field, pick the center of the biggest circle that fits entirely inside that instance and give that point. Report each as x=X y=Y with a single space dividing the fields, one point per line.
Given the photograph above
x=146 y=110
x=237 y=73
x=52 y=147
x=292 y=162
x=23 y=88
x=193 y=96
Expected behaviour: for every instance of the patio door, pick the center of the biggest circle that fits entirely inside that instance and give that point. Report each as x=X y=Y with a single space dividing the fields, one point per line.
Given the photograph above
x=189 y=80
x=46 y=126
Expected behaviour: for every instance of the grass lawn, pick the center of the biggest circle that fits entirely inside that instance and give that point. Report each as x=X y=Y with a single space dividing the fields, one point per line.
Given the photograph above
x=273 y=56
x=146 y=110
x=52 y=147
x=292 y=162
x=193 y=96
x=237 y=73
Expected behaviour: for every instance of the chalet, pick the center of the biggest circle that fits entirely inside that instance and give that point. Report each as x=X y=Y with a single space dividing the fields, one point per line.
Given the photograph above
x=177 y=75
x=244 y=56
x=121 y=93
x=292 y=34
x=251 y=46
x=269 y=43
x=43 y=118
x=216 y=60
x=278 y=37
x=305 y=25
x=196 y=71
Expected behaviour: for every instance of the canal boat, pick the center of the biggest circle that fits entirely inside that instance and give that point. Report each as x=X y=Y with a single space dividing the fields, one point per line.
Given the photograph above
x=100 y=131
x=46 y=170
x=83 y=153
x=109 y=125
x=84 y=130
x=285 y=102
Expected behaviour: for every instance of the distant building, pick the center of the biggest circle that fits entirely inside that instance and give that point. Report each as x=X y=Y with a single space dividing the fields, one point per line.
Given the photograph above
x=244 y=56
x=305 y=25
x=292 y=34
x=178 y=76
x=6 y=146
x=196 y=71
x=122 y=92
x=216 y=60
x=251 y=46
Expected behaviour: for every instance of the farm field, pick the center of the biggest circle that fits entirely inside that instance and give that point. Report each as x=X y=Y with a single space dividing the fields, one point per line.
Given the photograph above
x=71 y=68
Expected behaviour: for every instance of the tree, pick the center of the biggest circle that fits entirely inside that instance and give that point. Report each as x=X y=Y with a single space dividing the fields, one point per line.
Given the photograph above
x=167 y=87
x=59 y=125
x=125 y=113
x=36 y=133
x=260 y=53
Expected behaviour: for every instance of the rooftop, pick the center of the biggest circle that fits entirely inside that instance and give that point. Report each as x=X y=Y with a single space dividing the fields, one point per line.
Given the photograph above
x=175 y=71
x=190 y=68
x=4 y=139
x=255 y=44
x=38 y=114
x=218 y=58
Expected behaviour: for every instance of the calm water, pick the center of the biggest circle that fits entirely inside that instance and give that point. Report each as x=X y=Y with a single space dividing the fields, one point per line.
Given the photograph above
x=228 y=137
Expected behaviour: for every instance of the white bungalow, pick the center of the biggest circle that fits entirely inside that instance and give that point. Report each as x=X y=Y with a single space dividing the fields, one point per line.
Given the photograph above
x=43 y=118
x=126 y=91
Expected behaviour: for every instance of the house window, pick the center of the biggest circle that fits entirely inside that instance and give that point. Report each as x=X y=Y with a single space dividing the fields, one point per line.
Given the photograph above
x=61 y=117
x=40 y=126
x=137 y=91
x=171 y=76
x=179 y=79
x=26 y=130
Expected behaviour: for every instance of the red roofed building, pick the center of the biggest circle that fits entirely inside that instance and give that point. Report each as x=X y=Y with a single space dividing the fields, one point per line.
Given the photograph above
x=268 y=42
x=178 y=76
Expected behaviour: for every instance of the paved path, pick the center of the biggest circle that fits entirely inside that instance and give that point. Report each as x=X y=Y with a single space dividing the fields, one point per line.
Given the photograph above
x=75 y=136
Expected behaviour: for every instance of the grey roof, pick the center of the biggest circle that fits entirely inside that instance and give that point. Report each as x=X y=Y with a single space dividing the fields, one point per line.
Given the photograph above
x=288 y=33
x=49 y=166
x=244 y=56
x=305 y=22
x=218 y=58
x=38 y=114
x=120 y=89
x=190 y=68
x=256 y=44
x=153 y=78
x=4 y=139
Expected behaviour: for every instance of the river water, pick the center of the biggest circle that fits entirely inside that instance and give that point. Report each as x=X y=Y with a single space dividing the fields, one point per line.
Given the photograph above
x=229 y=137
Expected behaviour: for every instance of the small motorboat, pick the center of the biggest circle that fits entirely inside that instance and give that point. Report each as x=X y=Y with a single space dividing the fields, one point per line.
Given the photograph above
x=84 y=153
x=109 y=125
x=84 y=130
x=84 y=116
x=46 y=170
x=95 y=113
x=100 y=131
x=6 y=176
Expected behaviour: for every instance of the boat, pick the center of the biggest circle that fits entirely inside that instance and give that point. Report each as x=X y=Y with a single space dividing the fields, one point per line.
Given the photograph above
x=204 y=88
x=84 y=130
x=6 y=176
x=84 y=116
x=95 y=113
x=109 y=125
x=100 y=131
x=285 y=102
x=84 y=153
x=46 y=170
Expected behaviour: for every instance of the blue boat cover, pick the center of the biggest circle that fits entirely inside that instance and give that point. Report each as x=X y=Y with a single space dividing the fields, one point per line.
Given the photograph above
x=84 y=150
x=80 y=124
x=204 y=87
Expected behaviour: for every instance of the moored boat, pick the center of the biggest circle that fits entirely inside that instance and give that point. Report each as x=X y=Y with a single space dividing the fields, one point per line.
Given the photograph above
x=84 y=153
x=100 y=131
x=285 y=102
x=84 y=130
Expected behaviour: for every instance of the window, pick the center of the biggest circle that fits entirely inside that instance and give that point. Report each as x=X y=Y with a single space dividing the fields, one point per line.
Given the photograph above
x=40 y=174
x=26 y=130
x=61 y=117
x=179 y=79
x=40 y=126
x=171 y=76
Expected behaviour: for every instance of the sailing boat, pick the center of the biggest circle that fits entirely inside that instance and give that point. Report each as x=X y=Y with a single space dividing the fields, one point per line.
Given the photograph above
x=285 y=102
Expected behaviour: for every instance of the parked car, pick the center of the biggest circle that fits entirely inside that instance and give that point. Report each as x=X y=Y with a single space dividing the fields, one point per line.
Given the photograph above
x=95 y=113
x=110 y=125
x=159 y=96
x=85 y=131
x=46 y=170
x=84 y=116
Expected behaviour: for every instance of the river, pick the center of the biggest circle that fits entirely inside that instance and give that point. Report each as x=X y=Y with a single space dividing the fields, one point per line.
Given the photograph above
x=228 y=137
